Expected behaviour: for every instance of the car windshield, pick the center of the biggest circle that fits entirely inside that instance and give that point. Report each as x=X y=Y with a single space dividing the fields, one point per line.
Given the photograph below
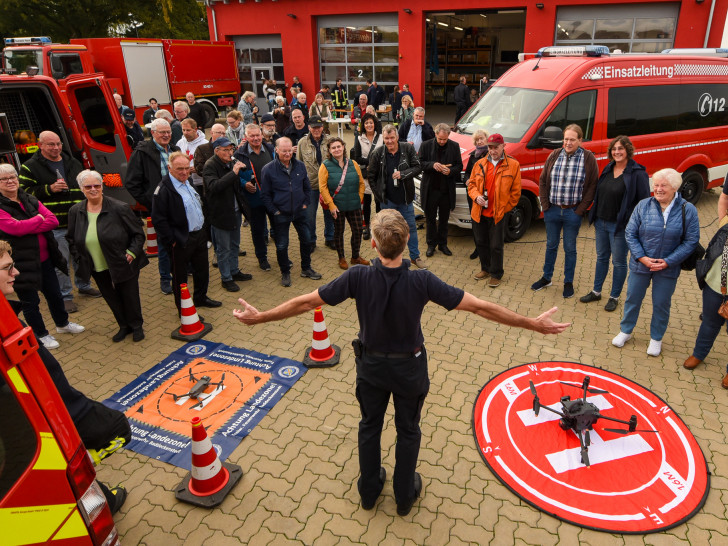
x=17 y=61
x=509 y=111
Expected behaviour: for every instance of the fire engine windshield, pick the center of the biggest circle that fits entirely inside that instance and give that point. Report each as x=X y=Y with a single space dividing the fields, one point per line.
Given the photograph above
x=16 y=61
x=509 y=111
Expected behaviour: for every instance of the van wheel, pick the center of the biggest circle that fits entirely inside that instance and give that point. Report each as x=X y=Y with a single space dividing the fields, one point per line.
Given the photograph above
x=519 y=219
x=210 y=115
x=692 y=186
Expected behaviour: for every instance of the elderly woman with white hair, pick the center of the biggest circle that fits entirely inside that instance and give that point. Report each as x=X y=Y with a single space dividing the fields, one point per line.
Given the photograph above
x=247 y=107
x=662 y=232
x=108 y=240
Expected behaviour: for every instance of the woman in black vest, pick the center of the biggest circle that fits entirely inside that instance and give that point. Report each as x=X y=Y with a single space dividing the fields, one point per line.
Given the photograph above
x=27 y=225
x=108 y=241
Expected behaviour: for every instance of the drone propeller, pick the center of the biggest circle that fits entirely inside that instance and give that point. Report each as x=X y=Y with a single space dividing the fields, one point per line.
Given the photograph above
x=585 y=456
x=587 y=438
x=219 y=383
x=591 y=390
x=626 y=431
x=536 y=401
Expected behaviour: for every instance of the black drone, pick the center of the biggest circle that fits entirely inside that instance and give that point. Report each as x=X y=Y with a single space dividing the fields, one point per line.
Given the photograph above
x=198 y=390
x=579 y=415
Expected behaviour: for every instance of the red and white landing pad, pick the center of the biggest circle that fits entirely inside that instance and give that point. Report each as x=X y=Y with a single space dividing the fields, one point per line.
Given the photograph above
x=637 y=482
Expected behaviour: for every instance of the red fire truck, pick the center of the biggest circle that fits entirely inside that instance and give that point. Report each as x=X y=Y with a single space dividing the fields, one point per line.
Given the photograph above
x=138 y=69
x=48 y=492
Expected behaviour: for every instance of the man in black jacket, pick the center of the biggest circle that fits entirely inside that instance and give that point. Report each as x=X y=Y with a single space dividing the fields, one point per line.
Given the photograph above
x=147 y=166
x=441 y=168
x=197 y=111
x=391 y=171
x=225 y=203
x=50 y=176
x=416 y=130
x=462 y=98
x=375 y=94
x=178 y=220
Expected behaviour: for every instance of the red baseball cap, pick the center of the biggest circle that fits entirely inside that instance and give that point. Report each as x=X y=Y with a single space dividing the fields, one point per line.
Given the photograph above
x=495 y=138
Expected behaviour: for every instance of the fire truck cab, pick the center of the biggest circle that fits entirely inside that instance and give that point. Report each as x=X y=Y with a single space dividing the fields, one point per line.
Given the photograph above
x=59 y=61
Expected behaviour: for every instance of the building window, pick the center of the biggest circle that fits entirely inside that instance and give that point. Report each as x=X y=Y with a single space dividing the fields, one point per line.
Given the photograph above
x=356 y=49
x=259 y=58
x=630 y=29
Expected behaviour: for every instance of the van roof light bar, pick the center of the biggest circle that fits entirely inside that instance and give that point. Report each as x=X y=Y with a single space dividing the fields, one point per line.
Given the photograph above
x=27 y=40
x=573 y=51
x=701 y=51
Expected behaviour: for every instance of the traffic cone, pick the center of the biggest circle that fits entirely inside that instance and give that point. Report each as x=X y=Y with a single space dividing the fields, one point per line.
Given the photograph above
x=192 y=328
x=152 y=248
x=210 y=480
x=321 y=354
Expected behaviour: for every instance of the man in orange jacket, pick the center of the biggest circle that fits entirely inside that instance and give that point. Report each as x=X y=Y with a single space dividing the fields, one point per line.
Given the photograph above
x=495 y=188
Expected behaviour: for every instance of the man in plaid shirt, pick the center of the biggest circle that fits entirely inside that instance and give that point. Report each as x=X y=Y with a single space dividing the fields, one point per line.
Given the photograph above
x=566 y=189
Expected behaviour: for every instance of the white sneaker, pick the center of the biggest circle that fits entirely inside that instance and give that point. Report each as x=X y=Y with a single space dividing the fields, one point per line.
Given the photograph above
x=70 y=328
x=620 y=339
x=655 y=348
x=49 y=342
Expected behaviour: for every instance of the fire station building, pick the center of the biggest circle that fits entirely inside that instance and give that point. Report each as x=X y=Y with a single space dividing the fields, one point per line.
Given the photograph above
x=429 y=44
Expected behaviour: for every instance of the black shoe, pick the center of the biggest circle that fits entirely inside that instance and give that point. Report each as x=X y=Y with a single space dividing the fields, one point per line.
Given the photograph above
x=264 y=265
x=207 y=302
x=214 y=262
x=331 y=245
x=240 y=276
x=446 y=251
x=366 y=234
x=611 y=304
x=230 y=286
x=568 y=290
x=121 y=334
x=368 y=505
x=286 y=279
x=430 y=252
x=119 y=498
x=590 y=297
x=474 y=254
x=242 y=252
x=404 y=509
x=139 y=334
x=543 y=282
x=311 y=274
x=166 y=287
x=93 y=292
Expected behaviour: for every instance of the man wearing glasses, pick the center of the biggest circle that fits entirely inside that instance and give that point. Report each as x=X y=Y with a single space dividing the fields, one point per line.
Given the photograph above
x=50 y=176
x=147 y=166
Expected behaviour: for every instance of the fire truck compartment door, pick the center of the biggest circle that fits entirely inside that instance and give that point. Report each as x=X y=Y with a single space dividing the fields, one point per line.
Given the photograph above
x=146 y=72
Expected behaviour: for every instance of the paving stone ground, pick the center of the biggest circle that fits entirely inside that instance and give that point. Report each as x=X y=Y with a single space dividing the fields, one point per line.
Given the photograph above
x=300 y=462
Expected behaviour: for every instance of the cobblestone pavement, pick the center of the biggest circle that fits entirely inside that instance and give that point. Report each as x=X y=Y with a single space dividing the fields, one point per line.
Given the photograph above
x=300 y=462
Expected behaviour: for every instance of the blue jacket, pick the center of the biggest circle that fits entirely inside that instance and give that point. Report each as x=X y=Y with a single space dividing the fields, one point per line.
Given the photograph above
x=637 y=184
x=648 y=235
x=243 y=154
x=283 y=192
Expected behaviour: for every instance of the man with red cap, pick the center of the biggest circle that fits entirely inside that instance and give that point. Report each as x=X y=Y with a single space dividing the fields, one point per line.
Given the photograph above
x=495 y=188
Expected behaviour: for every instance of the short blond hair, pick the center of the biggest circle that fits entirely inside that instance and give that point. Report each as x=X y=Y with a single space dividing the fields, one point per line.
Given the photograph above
x=390 y=232
x=5 y=248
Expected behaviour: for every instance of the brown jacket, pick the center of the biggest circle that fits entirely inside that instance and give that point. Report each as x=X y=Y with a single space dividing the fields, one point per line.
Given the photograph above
x=507 y=187
x=591 y=175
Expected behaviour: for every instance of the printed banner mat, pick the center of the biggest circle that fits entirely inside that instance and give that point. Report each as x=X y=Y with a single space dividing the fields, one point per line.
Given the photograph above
x=643 y=477
x=229 y=388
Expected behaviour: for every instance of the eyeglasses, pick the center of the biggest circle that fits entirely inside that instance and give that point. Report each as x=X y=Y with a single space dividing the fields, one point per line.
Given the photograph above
x=92 y=187
x=8 y=178
x=8 y=267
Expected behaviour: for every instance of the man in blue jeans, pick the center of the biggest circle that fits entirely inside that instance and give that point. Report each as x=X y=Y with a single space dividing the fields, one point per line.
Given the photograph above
x=286 y=193
x=566 y=189
x=391 y=173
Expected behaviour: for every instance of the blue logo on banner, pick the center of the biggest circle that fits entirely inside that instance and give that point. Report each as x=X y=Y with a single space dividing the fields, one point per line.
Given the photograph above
x=289 y=371
x=194 y=350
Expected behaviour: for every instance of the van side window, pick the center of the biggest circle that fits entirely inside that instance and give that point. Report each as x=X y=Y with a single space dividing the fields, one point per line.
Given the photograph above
x=664 y=108
x=65 y=64
x=18 y=443
x=96 y=115
x=579 y=108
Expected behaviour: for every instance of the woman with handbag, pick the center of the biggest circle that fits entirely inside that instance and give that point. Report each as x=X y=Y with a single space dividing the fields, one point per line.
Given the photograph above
x=364 y=144
x=712 y=274
x=663 y=231
x=342 y=189
x=320 y=108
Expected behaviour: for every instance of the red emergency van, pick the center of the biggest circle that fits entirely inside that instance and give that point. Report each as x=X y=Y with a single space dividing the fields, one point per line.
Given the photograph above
x=672 y=105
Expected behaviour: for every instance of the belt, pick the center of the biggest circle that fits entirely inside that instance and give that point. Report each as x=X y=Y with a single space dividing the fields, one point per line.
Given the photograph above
x=567 y=206
x=377 y=354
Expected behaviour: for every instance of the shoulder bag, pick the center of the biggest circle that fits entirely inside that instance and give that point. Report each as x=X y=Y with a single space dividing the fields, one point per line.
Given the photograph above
x=689 y=263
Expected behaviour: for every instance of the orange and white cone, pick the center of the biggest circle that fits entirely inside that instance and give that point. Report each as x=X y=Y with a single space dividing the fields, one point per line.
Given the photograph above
x=152 y=248
x=321 y=354
x=191 y=328
x=209 y=480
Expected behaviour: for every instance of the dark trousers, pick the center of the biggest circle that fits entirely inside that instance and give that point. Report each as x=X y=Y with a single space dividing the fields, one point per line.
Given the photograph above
x=122 y=298
x=490 y=240
x=282 y=226
x=367 y=209
x=194 y=252
x=258 y=230
x=437 y=208
x=462 y=107
x=355 y=224
x=407 y=381
x=101 y=425
x=52 y=292
x=711 y=324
